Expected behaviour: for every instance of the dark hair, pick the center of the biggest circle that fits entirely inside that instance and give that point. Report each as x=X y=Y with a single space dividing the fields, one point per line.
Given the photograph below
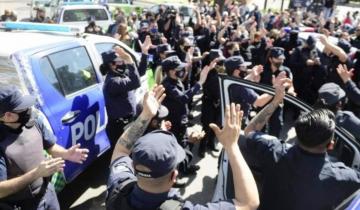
x=104 y=68
x=315 y=128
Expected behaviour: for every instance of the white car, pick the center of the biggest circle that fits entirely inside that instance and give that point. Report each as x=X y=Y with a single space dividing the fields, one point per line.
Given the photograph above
x=79 y=15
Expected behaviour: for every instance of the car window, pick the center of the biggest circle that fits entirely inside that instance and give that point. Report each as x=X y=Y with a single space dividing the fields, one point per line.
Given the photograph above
x=77 y=15
x=74 y=69
x=49 y=73
x=103 y=47
x=118 y=1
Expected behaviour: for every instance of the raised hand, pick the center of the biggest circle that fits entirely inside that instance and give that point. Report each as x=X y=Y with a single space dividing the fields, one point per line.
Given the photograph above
x=229 y=135
x=203 y=75
x=343 y=72
x=76 y=154
x=152 y=101
x=50 y=166
x=146 y=45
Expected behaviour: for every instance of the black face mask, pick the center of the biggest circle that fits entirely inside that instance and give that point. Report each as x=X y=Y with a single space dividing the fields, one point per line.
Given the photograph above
x=180 y=74
x=120 y=69
x=243 y=74
x=277 y=64
x=186 y=48
x=237 y=52
x=24 y=117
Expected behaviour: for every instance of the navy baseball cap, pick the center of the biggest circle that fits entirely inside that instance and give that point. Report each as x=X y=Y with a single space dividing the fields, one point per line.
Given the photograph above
x=144 y=24
x=215 y=53
x=345 y=45
x=311 y=41
x=162 y=48
x=172 y=62
x=109 y=56
x=11 y=100
x=277 y=52
x=330 y=93
x=158 y=151
x=235 y=62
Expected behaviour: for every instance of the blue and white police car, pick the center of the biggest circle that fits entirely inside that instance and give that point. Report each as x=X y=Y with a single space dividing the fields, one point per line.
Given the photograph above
x=61 y=68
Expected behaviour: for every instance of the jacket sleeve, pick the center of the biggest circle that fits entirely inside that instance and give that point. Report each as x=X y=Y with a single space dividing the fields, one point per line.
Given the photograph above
x=119 y=85
x=182 y=97
x=143 y=64
x=352 y=92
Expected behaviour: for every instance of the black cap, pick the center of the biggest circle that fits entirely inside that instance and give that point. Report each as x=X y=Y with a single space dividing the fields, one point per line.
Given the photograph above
x=144 y=24
x=345 y=45
x=277 y=52
x=109 y=56
x=158 y=151
x=331 y=93
x=11 y=99
x=172 y=62
x=214 y=53
x=233 y=63
x=311 y=41
x=162 y=48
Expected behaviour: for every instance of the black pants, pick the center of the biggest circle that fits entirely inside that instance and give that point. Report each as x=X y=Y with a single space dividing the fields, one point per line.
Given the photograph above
x=115 y=128
x=211 y=114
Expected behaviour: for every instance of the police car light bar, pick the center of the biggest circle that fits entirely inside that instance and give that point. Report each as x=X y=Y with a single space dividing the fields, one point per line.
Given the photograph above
x=78 y=2
x=38 y=27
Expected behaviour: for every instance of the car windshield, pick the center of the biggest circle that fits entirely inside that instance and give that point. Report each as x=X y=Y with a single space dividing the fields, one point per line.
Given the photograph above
x=77 y=15
x=118 y=1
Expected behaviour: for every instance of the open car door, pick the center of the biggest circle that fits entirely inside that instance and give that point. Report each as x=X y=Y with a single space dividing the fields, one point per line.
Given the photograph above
x=347 y=148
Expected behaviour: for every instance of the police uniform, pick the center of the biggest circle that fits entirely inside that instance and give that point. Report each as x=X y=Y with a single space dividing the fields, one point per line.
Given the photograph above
x=160 y=158
x=119 y=93
x=177 y=98
x=276 y=120
x=238 y=93
x=296 y=179
x=329 y=95
x=21 y=150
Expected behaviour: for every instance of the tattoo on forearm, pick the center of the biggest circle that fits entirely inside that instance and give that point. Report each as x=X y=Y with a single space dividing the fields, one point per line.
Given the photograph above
x=133 y=133
x=259 y=121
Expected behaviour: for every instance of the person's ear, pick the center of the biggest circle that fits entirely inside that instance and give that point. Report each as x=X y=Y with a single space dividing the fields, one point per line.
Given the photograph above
x=174 y=175
x=236 y=72
x=331 y=145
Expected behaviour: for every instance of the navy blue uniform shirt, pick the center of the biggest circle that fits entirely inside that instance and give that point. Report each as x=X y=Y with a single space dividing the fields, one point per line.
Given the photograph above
x=296 y=179
x=122 y=170
x=48 y=141
x=243 y=96
x=177 y=98
x=119 y=93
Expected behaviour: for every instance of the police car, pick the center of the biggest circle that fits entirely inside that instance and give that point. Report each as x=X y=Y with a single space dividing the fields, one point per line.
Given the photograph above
x=62 y=70
x=346 y=150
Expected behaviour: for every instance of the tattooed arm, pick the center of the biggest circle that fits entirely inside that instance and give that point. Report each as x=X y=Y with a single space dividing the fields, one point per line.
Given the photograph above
x=151 y=104
x=258 y=122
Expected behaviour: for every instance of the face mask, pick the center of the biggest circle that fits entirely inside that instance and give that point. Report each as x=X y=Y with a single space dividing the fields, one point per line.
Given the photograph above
x=180 y=74
x=186 y=48
x=243 y=74
x=277 y=64
x=237 y=52
x=24 y=116
x=120 y=69
x=154 y=30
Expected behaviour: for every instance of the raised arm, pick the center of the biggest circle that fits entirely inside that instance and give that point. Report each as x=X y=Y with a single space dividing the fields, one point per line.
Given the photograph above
x=259 y=121
x=151 y=104
x=246 y=194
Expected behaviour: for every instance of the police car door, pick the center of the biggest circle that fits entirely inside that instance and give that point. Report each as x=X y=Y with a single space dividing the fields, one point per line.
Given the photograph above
x=69 y=90
x=347 y=148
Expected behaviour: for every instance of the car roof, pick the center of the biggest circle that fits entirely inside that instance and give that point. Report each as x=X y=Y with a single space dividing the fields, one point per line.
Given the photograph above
x=11 y=42
x=83 y=6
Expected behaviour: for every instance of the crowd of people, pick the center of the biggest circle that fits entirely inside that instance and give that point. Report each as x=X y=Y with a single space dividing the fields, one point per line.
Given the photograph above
x=152 y=143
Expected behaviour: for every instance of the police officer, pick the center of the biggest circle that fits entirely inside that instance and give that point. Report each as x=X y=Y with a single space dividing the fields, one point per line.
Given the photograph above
x=332 y=97
x=24 y=171
x=145 y=180
x=210 y=106
x=122 y=79
x=272 y=69
x=308 y=72
x=235 y=66
x=177 y=98
x=301 y=176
